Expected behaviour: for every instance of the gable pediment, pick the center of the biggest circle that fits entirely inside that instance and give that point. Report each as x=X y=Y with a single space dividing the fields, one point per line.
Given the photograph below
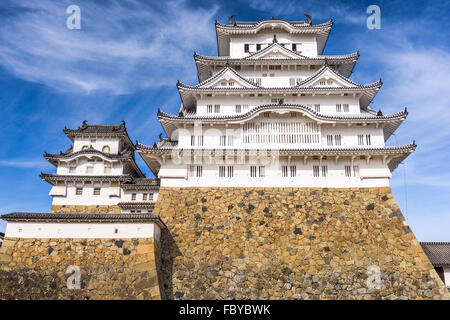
x=227 y=78
x=327 y=77
x=275 y=51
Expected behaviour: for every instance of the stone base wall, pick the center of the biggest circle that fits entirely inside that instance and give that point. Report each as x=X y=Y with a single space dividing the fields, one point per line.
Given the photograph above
x=84 y=209
x=290 y=243
x=109 y=268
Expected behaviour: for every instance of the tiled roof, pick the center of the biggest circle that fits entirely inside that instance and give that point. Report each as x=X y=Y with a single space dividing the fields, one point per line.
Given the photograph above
x=138 y=205
x=341 y=58
x=142 y=184
x=437 y=252
x=82 y=217
x=51 y=178
x=293 y=107
x=255 y=25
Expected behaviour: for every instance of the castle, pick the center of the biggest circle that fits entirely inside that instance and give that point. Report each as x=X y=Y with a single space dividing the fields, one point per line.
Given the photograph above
x=272 y=183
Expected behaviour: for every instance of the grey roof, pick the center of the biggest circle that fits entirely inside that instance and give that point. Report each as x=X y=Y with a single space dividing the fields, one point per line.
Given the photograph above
x=96 y=129
x=240 y=25
x=137 y=205
x=82 y=217
x=142 y=184
x=437 y=252
x=51 y=177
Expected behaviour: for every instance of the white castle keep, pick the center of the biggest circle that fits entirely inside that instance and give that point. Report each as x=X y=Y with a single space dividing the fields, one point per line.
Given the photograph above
x=269 y=111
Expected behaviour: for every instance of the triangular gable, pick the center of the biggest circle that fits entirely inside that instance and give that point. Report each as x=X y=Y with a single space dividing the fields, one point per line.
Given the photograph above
x=228 y=78
x=275 y=51
x=327 y=77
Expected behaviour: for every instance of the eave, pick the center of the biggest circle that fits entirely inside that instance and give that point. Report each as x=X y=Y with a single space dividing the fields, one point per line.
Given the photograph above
x=54 y=178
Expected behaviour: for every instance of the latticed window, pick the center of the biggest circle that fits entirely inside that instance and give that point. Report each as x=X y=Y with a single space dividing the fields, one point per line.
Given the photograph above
x=79 y=191
x=360 y=139
x=292 y=82
x=238 y=108
x=72 y=169
x=338 y=107
x=150 y=196
x=368 y=142
x=346 y=108
x=284 y=171
x=223 y=140
x=216 y=108
x=258 y=81
x=324 y=171
x=144 y=196
x=348 y=171
x=337 y=139
x=221 y=171
x=246 y=47
x=96 y=191
x=274 y=67
x=317 y=107
x=262 y=171
x=200 y=140
x=315 y=171
x=230 y=140
x=192 y=140
x=230 y=171
x=329 y=140
x=133 y=196
x=356 y=171
x=322 y=83
x=293 y=171
x=195 y=171
x=209 y=108
x=252 y=171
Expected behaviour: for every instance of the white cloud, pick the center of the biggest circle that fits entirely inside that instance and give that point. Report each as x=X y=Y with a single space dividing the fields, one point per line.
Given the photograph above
x=24 y=163
x=122 y=46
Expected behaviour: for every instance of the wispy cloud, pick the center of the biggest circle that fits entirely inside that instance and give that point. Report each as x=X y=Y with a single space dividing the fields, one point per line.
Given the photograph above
x=24 y=163
x=122 y=45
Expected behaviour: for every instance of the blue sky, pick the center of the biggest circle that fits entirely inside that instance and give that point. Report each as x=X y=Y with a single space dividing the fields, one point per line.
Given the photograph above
x=128 y=55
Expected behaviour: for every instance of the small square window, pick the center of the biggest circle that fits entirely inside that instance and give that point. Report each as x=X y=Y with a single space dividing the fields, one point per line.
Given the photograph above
x=79 y=191
x=133 y=196
x=96 y=191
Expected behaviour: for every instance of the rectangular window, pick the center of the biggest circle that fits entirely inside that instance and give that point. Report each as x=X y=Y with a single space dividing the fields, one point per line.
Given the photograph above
x=324 y=171
x=262 y=171
x=337 y=139
x=356 y=171
x=368 y=139
x=292 y=82
x=192 y=140
x=264 y=74
x=72 y=169
x=230 y=171
x=107 y=168
x=221 y=171
x=144 y=196
x=150 y=196
x=245 y=107
x=322 y=83
x=96 y=191
x=360 y=139
x=346 y=108
x=258 y=46
x=89 y=169
x=315 y=171
x=133 y=196
x=230 y=140
x=200 y=140
x=78 y=191
x=252 y=171
x=191 y=171
x=274 y=67
x=317 y=107
x=293 y=171
x=299 y=80
x=246 y=47
x=329 y=140
x=294 y=47
x=348 y=171
x=223 y=140
x=238 y=108
x=258 y=81
x=199 y=171
x=284 y=171
x=338 y=107
x=209 y=108
x=216 y=108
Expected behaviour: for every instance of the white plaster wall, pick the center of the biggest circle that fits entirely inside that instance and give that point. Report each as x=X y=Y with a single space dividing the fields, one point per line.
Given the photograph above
x=211 y=135
x=97 y=165
x=372 y=174
x=327 y=103
x=87 y=198
x=97 y=143
x=127 y=196
x=276 y=78
x=447 y=276
x=306 y=44
x=82 y=230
